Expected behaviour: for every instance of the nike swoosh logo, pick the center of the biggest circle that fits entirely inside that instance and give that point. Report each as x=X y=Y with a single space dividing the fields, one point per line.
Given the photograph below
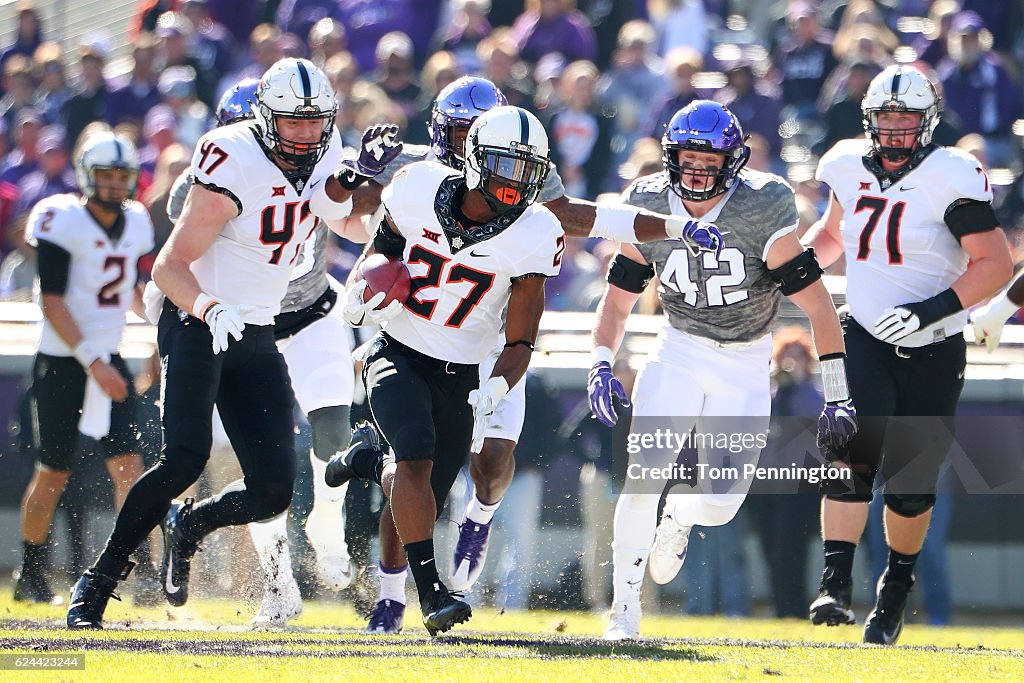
x=169 y=583
x=473 y=253
x=423 y=562
x=314 y=184
x=905 y=189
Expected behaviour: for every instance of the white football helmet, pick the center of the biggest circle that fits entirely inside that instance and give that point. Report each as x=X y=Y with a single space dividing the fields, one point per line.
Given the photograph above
x=900 y=88
x=510 y=145
x=105 y=150
x=295 y=88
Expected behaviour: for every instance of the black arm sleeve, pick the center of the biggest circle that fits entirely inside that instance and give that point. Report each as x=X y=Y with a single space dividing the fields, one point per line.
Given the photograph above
x=627 y=274
x=54 y=263
x=388 y=242
x=969 y=216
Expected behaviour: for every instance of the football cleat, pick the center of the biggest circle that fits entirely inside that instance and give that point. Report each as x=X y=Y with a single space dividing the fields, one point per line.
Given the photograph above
x=669 y=549
x=280 y=605
x=832 y=606
x=624 y=621
x=387 y=618
x=885 y=622
x=470 y=554
x=443 y=610
x=30 y=586
x=179 y=547
x=339 y=469
x=89 y=598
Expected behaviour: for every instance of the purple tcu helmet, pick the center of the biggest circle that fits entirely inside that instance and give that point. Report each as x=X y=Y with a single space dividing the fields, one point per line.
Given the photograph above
x=703 y=126
x=458 y=105
x=235 y=103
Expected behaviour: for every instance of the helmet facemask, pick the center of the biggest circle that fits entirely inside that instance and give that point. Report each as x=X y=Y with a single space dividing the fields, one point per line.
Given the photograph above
x=302 y=155
x=880 y=136
x=518 y=174
x=733 y=162
x=93 y=190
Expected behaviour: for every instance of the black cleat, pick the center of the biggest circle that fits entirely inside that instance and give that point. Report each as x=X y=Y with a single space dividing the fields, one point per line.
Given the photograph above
x=179 y=547
x=832 y=606
x=443 y=610
x=339 y=469
x=885 y=622
x=31 y=586
x=89 y=598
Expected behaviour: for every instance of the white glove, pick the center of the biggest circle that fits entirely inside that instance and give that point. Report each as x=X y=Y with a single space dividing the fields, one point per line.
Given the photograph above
x=988 y=320
x=358 y=312
x=222 y=320
x=896 y=323
x=484 y=400
x=152 y=302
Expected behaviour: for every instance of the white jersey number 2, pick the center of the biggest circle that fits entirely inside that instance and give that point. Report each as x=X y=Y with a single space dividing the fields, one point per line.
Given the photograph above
x=676 y=276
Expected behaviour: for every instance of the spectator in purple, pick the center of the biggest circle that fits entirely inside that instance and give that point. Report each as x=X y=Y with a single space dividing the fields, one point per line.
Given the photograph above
x=554 y=26
x=931 y=46
x=213 y=46
x=53 y=90
x=29 y=37
x=367 y=21
x=177 y=39
x=159 y=132
x=239 y=17
x=1003 y=19
x=20 y=84
x=635 y=80
x=89 y=97
x=299 y=16
x=499 y=58
x=54 y=175
x=754 y=102
x=844 y=119
x=685 y=23
x=979 y=88
x=326 y=39
x=24 y=158
x=680 y=66
x=264 y=50
x=463 y=34
x=130 y=101
x=396 y=74
x=806 y=59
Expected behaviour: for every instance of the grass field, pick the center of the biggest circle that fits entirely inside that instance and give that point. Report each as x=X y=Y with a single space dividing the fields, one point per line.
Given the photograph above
x=209 y=641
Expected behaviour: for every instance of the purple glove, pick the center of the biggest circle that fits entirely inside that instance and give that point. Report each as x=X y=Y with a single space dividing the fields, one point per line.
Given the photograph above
x=603 y=389
x=701 y=236
x=379 y=148
x=837 y=425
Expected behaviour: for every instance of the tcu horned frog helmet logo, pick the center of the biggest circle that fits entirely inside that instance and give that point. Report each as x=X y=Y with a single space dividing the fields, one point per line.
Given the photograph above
x=295 y=89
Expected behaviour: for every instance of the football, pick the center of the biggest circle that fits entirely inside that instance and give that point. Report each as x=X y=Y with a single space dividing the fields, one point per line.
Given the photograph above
x=384 y=274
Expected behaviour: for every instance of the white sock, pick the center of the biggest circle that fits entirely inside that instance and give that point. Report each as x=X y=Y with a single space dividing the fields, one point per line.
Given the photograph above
x=392 y=584
x=325 y=526
x=628 y=576
x=481 y=513
x=270 y=538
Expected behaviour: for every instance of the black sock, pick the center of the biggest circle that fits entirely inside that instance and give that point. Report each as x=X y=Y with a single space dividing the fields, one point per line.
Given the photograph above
x=901 y=567
x=34 y=558
x=839 y=561
x=424 y=568
x=368 y=463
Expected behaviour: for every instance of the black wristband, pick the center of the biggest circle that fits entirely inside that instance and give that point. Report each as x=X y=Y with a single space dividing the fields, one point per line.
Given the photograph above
x=940 y=306
x=524 y=342
x=832 y=356
x=349 y=179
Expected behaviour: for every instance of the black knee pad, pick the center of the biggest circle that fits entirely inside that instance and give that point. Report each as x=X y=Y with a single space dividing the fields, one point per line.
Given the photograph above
x=850 y=497
x=271 y=498
x=332 y=432
x=910 y=505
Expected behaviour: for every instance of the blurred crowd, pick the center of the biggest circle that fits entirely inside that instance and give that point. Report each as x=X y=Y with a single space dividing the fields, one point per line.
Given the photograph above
x=603 y=76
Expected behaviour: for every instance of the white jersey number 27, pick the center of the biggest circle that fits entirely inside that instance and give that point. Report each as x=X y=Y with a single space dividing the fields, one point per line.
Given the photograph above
x=676 y=276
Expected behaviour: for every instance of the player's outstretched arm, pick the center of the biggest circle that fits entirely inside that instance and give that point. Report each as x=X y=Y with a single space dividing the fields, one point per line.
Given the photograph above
x=629 y=224
x=988 y=320
x=824 y=235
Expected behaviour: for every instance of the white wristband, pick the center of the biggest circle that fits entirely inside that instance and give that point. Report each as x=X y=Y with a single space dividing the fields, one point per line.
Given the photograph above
x=202 y=304
x=833 y=380
x=1003 y=307
x=602 y=354
x=86 y=354
x=322 y=206
x=616 y=222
